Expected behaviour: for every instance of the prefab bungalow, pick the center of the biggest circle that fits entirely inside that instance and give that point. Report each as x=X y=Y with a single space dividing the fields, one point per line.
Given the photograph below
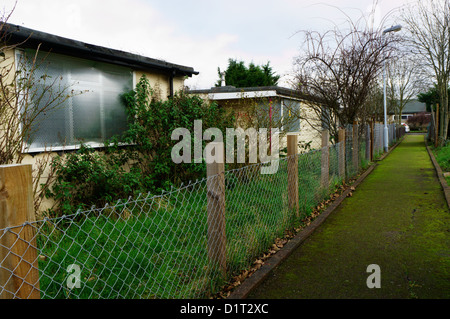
x=270 y=107
x=96 y=77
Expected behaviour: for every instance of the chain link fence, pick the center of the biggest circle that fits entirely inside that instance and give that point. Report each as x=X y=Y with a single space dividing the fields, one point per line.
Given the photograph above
x=170 y=245
x=394 y=133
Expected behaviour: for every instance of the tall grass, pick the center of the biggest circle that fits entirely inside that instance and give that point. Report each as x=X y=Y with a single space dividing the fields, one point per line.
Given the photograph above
x=442 y=155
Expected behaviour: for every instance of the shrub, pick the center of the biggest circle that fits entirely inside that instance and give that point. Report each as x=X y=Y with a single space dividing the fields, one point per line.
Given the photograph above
x=151 y=122
x=89 y=177
x=419 y=121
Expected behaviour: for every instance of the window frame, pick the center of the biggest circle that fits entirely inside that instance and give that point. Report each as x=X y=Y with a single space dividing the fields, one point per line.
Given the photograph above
x=28 y=149
x=282 y=105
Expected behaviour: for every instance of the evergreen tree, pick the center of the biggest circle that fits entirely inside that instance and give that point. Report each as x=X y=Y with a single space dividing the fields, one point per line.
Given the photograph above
x=238 y=75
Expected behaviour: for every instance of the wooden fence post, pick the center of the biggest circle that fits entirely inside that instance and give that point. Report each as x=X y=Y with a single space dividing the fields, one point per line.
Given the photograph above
x=341 y=137
x=355 y=151
x=325 y=165
x=19 y=274
x=215 y=171
x=292 y=152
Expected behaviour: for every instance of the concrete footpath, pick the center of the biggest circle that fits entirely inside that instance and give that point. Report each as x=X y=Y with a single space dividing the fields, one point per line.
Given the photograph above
x=397 y=219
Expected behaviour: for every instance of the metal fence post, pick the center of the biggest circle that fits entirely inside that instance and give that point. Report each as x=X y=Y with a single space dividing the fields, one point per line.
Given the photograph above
x=372 y=140
x=355 y=150
x=325 y=165
x=292 y=152
x=341 y=138
x=19 y=274
x=215 y=171
x=368 y=146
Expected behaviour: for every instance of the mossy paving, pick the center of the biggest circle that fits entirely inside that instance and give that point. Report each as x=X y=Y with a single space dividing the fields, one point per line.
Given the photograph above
x=397 y=218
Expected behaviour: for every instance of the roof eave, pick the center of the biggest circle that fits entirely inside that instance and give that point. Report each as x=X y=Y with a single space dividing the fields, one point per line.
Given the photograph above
x=28 y=38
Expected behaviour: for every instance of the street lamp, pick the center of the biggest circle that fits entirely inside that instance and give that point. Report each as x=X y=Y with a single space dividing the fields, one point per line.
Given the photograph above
x=386 y=131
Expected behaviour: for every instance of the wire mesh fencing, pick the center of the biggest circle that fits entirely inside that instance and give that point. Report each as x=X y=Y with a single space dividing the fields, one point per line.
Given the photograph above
x=183 y=243
x=395 y=132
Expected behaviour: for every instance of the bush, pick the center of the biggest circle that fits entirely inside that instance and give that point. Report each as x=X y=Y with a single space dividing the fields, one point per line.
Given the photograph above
x=151 y=123
x=89 y=177
x=419 y=121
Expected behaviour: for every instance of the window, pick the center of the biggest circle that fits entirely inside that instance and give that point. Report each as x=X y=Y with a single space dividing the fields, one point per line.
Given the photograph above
x=290 y=112
x=93 y=113
x=285 y=115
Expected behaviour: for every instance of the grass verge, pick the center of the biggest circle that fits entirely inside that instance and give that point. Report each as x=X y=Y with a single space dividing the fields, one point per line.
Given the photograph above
x=442 y=155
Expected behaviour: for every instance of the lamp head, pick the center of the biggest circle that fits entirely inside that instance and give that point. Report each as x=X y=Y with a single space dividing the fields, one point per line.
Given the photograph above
x=395 y=28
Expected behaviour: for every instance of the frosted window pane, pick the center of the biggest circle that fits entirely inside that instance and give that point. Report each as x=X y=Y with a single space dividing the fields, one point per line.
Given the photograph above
x=83 y=73
x=91 y=117
x=275 y=112
x=115 y=115
x=50 y=127
x=291 y=122
x=86 y=118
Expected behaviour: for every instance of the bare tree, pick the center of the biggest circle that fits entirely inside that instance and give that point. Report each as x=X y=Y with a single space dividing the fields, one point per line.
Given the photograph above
x=25 y=98
x=338 y=69
x=428 y=25
x=404 y=82
x=373 y=107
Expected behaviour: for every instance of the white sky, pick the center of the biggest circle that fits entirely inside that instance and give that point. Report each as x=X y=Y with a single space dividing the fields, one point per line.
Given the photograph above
x=202 y=34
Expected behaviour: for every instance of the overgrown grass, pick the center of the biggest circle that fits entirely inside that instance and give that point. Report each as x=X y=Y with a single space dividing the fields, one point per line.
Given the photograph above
x=159 y=249
x=154 y=250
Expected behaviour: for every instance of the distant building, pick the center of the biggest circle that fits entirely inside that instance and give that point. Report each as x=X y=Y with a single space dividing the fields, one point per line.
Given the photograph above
x=411 y=108
x=273 y=107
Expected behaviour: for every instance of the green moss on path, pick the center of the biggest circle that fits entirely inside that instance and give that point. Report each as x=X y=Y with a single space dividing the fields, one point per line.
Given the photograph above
x=397 y=218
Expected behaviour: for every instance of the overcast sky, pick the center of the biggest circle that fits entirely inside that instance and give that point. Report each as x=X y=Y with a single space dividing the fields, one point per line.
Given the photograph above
x=202 y=34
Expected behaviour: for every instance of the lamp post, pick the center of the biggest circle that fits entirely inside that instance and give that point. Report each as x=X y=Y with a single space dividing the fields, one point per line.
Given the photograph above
x=386 y=131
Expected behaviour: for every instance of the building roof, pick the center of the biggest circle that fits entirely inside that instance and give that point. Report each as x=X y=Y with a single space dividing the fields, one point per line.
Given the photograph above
x=29 y=38
x=231 y=92
x=413 y=106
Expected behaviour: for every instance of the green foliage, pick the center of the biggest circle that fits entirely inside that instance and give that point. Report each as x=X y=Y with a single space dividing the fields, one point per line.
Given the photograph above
x=89 y=177
x=442 y=155
x=418 y=121
x=151 y=124
x=430 y=97
x=238 y=75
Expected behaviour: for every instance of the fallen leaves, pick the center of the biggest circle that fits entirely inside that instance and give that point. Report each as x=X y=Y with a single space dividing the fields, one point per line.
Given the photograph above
x=350 y=194
x=279 y=243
